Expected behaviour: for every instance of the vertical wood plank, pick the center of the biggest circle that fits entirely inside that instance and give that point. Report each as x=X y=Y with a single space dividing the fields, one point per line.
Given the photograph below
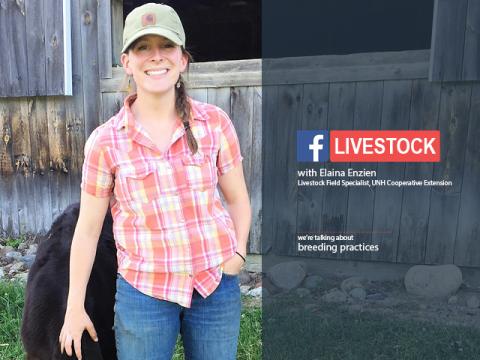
x=242 y=114
x=310 y=198
x=388 y=200
x=269 y=131
x=467 y=244
x=105 y=39
x=220 y=97
x=6 y=166
x=288 y=117
x=448 y=36
x=256 y=173
x=361 y=199
x=59 y=159
x=416 y=200
x=54 y=46
x=5 y=53
x=36 y=48
x=117 y=30
x=112 y=103
x=341 y=108
x=445 y=201
x=91 y=80
x=471 y=51
x=23 y=163
x=198 y=94
x=74 y=106
x=40 y=163
x=18 y=52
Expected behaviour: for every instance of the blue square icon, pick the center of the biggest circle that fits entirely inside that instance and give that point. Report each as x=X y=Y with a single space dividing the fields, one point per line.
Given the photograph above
x=312 y=145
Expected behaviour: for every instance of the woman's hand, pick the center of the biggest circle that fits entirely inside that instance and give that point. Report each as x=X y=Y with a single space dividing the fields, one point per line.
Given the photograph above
x=233 y=265
x=76 y=321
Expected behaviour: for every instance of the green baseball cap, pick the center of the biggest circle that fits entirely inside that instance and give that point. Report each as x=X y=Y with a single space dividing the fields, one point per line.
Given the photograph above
x=153 y=19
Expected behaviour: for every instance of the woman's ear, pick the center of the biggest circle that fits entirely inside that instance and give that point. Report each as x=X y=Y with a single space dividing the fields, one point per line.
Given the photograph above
x=125 y=63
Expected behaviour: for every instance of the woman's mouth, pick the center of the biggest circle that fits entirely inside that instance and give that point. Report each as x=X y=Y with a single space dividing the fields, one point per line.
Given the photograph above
x=155 y=73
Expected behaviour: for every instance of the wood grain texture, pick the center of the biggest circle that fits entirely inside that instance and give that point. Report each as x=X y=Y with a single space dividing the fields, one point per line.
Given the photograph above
x=270 y=143
x=91 y=82
x=471 y=50
x=310 y=198
x=37 y=82
x=284 y=159
x=448 y=38
x=388 y=200
x=341 y=109
x=105 y=38
x=256 y=178
x=415 y=203
x=117 y=30
x=445 y=201
x=361 y=199
x=54 y=46
x=467 y=243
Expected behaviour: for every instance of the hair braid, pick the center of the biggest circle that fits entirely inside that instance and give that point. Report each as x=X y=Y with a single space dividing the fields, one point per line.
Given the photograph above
x=183 y=109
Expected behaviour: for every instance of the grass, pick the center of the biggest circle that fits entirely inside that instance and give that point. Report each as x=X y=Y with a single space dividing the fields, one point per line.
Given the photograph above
x=331 y=333
x=13 y=242
x=11 y=305
x=328 y=333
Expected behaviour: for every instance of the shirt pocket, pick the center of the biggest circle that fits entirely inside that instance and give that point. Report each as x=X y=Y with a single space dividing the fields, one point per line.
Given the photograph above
x=200 y=171
x=138 y=185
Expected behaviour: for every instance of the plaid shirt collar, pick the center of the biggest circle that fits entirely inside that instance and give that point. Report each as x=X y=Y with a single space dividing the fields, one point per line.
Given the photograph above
x=126 y=121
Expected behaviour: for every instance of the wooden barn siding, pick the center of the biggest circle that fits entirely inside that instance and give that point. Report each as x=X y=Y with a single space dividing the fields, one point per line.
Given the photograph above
x=420 y=225
x=32 y=42
x=455 y=41
x=43 y=137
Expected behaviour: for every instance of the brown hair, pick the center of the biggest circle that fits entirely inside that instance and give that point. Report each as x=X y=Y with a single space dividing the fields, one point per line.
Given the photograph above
x=182 y=106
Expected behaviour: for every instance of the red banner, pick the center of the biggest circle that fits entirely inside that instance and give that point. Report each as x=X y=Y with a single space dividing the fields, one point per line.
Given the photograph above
x=385 y=145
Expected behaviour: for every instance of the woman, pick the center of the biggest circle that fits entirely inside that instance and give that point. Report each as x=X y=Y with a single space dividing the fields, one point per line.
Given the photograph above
x=157 y=164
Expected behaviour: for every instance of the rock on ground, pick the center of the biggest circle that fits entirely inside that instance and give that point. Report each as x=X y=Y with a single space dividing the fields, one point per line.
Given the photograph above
x=287 y=275
x=335 y=296
x=433 y=281
x=352 y=283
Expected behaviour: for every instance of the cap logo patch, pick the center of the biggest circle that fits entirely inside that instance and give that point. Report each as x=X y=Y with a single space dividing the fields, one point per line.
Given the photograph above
x=148 y=19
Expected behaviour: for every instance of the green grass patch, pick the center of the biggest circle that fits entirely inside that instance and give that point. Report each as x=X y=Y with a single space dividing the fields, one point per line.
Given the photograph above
x=13 y=242
x=11 y=307
x=332 y=333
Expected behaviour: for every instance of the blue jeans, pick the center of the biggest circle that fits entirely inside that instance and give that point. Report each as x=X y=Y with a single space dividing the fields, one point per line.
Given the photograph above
x=146 y=328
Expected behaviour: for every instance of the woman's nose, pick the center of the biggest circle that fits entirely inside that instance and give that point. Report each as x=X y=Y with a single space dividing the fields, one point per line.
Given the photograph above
x=158 y=53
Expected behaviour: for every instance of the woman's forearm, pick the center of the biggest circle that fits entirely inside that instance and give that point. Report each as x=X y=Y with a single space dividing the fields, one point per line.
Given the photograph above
x=241 y=214
x=82 y=256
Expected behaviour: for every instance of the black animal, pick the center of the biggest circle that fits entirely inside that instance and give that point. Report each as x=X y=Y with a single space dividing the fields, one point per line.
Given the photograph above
x=47 y=291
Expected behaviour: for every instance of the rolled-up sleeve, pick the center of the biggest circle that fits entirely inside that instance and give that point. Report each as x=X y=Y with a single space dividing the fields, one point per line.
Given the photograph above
x=97 y=176
x=229 y=155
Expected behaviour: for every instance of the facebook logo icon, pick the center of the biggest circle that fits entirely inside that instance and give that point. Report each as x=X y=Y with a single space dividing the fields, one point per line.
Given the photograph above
x=312 y=145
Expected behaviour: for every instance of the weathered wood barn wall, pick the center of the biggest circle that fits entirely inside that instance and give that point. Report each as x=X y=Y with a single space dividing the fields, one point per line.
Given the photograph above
x=406 y=90
x=41 y=152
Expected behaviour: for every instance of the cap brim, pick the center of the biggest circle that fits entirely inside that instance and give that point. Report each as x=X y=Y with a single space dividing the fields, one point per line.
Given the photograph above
x=154 y=31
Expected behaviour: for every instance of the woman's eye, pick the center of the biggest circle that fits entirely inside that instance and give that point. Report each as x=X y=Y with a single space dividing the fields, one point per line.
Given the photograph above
x=142 y=47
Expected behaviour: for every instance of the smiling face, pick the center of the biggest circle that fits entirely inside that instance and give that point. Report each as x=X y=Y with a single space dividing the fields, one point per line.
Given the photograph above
x=155 y=64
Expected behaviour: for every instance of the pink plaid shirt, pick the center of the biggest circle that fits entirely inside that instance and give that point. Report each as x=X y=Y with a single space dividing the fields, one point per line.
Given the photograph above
x=171 y=229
